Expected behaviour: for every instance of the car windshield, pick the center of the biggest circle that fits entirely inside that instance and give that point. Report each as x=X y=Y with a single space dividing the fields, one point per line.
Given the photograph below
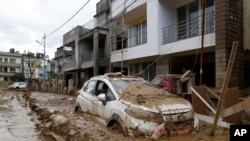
x=121 y=85
x=17 y=83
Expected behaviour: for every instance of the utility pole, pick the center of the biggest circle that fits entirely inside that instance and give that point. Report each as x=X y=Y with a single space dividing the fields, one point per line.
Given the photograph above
x=44 y=42
x=44 y=45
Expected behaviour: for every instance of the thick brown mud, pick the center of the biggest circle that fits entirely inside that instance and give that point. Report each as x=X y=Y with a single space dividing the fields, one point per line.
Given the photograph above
x=51 y=117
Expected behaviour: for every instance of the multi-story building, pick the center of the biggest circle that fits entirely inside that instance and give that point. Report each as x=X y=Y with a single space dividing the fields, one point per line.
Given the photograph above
x=10 y=64
x=34 y=66
x=164 y=36
x=84 y=52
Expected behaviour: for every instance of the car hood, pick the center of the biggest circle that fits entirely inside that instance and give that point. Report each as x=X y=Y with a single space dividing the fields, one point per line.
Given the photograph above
x=148 y=98
x=168 y=105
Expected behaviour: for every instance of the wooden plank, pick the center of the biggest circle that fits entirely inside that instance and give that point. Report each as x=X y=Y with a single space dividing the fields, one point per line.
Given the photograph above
x=225 y=84
x=212 y=93
x=236 y=108
x=209 y=100
x=231 y=98
x=198 y=105
x=199 y=95
x=210 y=119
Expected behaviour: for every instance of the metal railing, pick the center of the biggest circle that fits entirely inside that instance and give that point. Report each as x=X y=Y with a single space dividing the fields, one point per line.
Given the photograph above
x=188 y=28
x=69 y=59
x=89 y=55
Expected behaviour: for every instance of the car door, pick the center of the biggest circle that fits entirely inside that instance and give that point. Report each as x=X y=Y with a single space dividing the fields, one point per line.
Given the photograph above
x=111 y=107
x=89 y=98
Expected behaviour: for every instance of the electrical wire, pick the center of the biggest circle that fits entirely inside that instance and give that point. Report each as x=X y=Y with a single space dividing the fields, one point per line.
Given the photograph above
x=68 y=19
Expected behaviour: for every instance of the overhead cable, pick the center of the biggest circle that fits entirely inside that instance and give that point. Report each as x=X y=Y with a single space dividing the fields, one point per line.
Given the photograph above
x=68 y=19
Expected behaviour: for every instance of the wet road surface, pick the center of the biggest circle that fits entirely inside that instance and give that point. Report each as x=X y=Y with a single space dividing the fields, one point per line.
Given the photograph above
x=15 y=124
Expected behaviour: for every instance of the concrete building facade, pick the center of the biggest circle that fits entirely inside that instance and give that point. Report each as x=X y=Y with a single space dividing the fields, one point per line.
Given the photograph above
x=84 y=51
x=10 y=63
x=164 y=36
x=157 y=37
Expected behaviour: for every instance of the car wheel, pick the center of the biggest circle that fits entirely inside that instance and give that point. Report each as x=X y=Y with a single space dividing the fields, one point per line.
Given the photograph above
x=78 y=108
x=116 y=126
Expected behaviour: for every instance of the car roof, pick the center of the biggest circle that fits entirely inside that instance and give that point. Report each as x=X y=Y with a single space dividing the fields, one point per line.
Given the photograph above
x=116 y=76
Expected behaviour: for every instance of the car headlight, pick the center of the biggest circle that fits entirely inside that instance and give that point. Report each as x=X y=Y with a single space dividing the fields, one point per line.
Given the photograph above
x=145 y=115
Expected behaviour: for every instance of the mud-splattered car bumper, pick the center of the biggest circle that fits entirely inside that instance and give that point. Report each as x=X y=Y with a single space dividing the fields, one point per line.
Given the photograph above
x=137 y=127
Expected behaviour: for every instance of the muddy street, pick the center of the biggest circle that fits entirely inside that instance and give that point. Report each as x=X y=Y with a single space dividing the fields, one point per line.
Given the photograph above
x=51 y=117
x=15 y=124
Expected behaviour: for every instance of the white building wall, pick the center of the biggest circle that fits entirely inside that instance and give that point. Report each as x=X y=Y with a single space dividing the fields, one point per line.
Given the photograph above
x=188 y=44
x=159 y=15
x=18 y=60
x=119 y=5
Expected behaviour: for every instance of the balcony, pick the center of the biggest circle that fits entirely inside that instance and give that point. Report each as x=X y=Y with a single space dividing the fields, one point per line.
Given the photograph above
x=88 y=58
x=59 y=53
x=3 y=73
x=89 y=55
x=188 y=28
x=10 y=64
x=69 y=63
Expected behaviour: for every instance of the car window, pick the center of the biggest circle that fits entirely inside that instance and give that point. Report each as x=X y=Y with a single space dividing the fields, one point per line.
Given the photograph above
x=91 y=87
x=110 y=95
x=102 y=87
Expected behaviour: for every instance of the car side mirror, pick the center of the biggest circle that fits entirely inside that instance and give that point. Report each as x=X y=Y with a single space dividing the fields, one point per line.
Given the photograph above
x=102 y=97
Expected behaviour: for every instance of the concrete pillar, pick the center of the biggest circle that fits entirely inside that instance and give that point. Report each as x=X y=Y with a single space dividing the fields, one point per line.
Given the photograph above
x=96 y=53
x=226 y=33
x=71 y=82
x=77 y=53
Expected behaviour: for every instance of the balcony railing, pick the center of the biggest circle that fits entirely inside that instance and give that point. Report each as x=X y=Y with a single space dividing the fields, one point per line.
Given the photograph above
x=188 y=28
x=69 y=59
x=89 y=55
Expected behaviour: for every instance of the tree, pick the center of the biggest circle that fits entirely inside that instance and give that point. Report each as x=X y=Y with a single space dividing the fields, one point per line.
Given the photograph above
x=18 y=77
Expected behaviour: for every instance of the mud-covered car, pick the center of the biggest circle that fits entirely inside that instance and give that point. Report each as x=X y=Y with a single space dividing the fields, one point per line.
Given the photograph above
x=135 y=106
x=18 y=85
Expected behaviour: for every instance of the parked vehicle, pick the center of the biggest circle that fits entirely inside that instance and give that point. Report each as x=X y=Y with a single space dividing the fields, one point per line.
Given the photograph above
x=135 y=106
x=167 y=82
x=18 y=85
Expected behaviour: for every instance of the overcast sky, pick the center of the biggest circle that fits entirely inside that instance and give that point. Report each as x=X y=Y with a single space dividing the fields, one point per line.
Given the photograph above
x=24 y=21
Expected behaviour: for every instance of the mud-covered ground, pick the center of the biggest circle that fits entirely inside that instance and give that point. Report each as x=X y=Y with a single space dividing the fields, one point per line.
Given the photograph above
x=55 y=120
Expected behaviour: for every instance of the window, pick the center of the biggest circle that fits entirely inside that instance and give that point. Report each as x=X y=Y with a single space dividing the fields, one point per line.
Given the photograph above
x=138 y=34
x=91 y=87
x=110 y=95
x=193 y=16
x=1 y=59
x=12 y=60
x=12 y=69
x=182 y=19
x=103 y=88
x=5 y=60
x=189 y=19
x=210 y=19
x=148 y=69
